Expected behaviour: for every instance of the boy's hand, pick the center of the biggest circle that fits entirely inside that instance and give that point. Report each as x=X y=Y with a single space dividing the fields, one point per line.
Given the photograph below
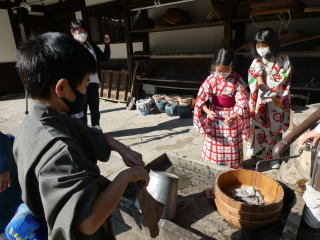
x=313 y=136
x=132 y=158
x=140 y=175
x=5 y=181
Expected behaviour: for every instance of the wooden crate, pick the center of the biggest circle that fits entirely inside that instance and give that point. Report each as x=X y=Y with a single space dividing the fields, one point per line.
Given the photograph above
x=114 y=85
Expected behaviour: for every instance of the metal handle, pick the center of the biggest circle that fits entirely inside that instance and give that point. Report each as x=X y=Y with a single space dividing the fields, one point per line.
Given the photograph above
x=308 y=148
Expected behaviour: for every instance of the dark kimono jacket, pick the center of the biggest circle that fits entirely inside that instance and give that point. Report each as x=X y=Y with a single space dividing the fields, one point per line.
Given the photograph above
x=57 y=167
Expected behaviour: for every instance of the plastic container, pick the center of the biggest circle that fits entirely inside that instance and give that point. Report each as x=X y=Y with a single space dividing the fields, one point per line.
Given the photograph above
x=244 y=215
x=185 y=111
x=171 y=109
x=161 y=105
x=144 y=106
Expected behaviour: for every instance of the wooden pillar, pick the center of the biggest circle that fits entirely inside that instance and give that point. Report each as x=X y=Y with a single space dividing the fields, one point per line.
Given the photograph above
x=128 y=38
x=25 y=31
x=315 y=178
x=24 y=23
x=227 y=24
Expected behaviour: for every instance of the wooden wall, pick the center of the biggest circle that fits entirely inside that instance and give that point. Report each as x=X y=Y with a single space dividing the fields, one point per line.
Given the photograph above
x=10 y=83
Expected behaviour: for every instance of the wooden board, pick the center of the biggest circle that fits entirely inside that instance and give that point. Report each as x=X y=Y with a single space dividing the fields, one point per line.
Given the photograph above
x=292 y=10
x=272 y=4
x=287 y=39
x=123 y=86
x=114 y=85
x=307 y=37
x=312 y=9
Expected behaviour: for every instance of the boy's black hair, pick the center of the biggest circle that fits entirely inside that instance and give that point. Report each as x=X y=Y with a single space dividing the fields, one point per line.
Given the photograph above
x=44 y=60
x=225 y=57
x=266 y=36
x=76 y=24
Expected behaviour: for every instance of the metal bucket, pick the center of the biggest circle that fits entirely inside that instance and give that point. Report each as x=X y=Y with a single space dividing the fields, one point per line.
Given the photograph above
x=163 y=187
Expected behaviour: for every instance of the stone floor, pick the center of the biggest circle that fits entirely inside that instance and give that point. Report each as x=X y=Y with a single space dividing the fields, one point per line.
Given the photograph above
x=151 y=135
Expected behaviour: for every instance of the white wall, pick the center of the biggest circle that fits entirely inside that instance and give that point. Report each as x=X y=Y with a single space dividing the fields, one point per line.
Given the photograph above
x=189 y=40
x=7 y=44
x=95 y=2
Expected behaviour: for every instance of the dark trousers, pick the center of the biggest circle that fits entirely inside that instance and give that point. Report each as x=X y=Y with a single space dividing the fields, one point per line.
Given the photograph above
x=93 y=103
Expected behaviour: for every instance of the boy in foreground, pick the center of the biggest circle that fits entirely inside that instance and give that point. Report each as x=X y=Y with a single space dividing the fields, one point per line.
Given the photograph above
x=57 y=155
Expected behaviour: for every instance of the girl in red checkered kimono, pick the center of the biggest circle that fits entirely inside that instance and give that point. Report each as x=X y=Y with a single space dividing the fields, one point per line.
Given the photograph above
x=222 y=96
x=269 y=81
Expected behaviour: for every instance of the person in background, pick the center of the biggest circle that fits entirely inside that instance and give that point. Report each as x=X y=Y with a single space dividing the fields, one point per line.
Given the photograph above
x=269 y=81
x=79 y=32
x=10 y=192
x=57 y=166
x=227 y=112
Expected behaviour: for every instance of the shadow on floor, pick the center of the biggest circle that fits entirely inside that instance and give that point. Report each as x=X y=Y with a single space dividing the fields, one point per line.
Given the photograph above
x=147 y=132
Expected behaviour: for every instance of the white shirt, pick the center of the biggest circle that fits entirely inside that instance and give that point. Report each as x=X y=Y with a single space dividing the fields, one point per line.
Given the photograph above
x=93 y=76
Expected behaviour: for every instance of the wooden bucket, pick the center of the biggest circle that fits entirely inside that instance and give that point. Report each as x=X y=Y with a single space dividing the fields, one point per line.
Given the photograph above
x=243 y=215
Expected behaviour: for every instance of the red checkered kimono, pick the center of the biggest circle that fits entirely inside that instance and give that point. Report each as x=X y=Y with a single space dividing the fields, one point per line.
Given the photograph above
x=223 y=145
x=269 y=117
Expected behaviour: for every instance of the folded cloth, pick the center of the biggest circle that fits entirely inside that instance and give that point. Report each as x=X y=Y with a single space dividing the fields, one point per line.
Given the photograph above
x=248 y=195
x=26 y=226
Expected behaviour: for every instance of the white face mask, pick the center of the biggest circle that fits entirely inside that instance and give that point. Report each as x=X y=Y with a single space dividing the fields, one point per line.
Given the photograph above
x=223 y=75
x=263 y=51
x=82 y=37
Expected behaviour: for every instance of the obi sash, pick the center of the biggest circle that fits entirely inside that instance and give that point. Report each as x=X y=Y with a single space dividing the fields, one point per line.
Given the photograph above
x=225 y=102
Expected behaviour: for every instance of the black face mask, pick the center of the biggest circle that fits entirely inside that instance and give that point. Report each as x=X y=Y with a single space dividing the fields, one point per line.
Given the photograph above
x=77 y=105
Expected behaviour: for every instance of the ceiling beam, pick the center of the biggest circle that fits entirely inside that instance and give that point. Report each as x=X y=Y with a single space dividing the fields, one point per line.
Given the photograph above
x=6 y=5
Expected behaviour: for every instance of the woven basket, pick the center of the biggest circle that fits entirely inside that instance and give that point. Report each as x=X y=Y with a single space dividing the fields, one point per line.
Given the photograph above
x=160 y=23
x=176 y=16
x=244 y=215
x=185 y=99
x=173 y=98
x=159 y=96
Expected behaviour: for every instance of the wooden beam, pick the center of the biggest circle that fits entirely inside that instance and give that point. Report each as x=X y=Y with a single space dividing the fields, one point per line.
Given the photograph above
x=24 y=23
x=227 y=24
x=128 y=38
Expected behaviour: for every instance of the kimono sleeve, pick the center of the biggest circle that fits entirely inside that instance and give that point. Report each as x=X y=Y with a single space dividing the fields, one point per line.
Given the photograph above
x=255 y=70
x=205 y=92
x=283 y=72
x=91 y=139
x=241 y=107
x=67 y=189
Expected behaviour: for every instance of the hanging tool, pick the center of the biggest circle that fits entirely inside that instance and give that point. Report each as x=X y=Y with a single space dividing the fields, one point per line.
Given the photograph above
x=130 y=100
